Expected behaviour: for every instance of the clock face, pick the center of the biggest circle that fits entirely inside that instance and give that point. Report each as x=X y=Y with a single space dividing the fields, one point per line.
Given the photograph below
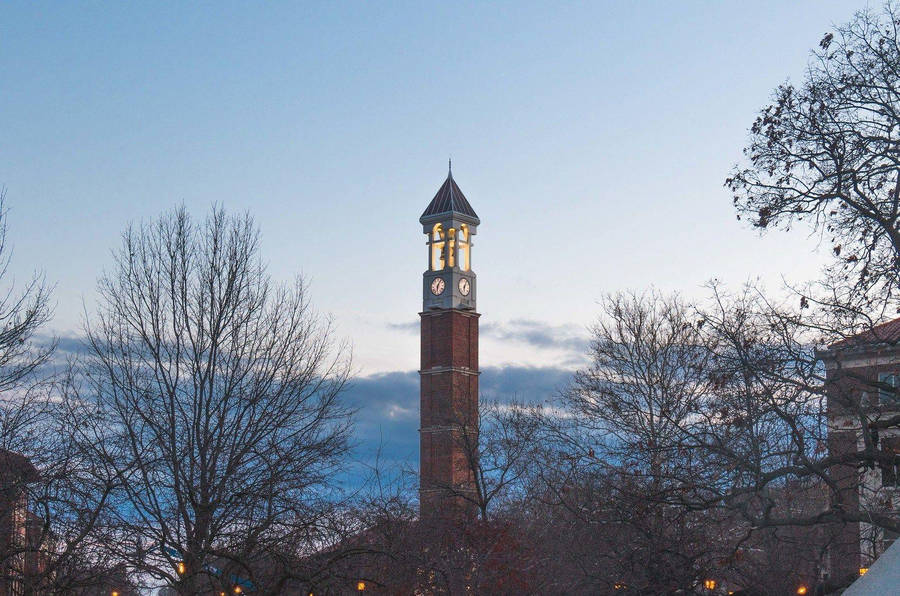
x=437 y=286
x=464 y=286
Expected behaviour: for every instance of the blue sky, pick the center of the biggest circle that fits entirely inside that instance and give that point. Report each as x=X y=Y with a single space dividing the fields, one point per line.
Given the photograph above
x=592 y=138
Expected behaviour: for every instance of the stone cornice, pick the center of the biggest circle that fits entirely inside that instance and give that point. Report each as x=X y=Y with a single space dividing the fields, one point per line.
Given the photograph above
x=442 y=369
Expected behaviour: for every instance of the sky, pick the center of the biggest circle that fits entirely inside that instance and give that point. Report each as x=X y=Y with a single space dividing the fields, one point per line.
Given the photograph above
x=593 y=140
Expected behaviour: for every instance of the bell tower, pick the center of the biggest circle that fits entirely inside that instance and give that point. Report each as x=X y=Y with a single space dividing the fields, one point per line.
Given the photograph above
x=448 y=433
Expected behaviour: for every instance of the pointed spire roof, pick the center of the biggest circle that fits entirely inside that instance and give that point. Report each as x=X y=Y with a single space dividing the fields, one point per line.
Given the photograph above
x=449 y=199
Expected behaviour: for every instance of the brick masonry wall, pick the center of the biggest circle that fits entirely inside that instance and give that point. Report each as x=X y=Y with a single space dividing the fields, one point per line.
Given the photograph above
x=850 y=386
x=448 y=408
x=845 y=552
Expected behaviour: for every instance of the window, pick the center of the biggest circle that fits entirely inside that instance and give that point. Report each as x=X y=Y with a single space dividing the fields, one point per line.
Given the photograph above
x=888 y=395
x=19 y=517
x=889 y=473
x=890 y=469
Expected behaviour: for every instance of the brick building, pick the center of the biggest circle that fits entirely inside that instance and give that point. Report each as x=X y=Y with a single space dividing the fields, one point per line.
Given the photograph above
x=862 y=374
x=18 y=528
x=449 y=355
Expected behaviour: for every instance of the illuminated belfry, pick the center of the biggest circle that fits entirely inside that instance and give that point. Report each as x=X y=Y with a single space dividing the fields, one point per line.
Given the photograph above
x=449 y=356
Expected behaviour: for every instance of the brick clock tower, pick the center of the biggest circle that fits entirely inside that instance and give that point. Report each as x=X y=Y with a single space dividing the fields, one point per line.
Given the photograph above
x=449 y=357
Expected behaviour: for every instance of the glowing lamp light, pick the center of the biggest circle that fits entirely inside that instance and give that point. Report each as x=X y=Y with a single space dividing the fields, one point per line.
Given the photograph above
x=802 y=590
x=709 y=584
x=238 y=590
x=181 y=568
x=114 y=593
x=360 y=586
x=863 y=570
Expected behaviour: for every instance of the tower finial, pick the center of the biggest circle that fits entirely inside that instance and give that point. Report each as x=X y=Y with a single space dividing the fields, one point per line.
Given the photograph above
x=449 y=166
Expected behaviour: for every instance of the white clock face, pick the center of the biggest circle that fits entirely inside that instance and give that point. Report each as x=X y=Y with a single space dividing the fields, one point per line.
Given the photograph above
x=437 y=286
x=464 y=286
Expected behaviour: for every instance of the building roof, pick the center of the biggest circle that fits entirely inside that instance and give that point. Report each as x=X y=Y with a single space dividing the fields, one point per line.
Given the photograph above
x=885 y=333
x=449 y=199
x=18 y=466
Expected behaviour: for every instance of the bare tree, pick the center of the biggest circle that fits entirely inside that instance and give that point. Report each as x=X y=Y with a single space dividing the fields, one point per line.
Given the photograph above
x=712 y=421
x=484 y=552
x=824 y=154
x=403 y=554
x=217 y=409
x=23 y=311
x=52 y=494
x=622 y=466
x=499 y=448
x=648 y=373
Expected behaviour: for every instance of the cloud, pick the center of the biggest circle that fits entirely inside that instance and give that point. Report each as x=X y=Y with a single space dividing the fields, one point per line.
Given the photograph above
x=68 y=347
x=71 y=345
x=65 y=344
x=386 y=395
x=409 y=327
x=537 y=334
x=387 y=404
x=529 y=384
x=394 y=397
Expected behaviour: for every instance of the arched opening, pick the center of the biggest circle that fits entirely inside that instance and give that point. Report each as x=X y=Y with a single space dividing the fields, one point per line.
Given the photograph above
x=463 y=246
x=437 y=247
